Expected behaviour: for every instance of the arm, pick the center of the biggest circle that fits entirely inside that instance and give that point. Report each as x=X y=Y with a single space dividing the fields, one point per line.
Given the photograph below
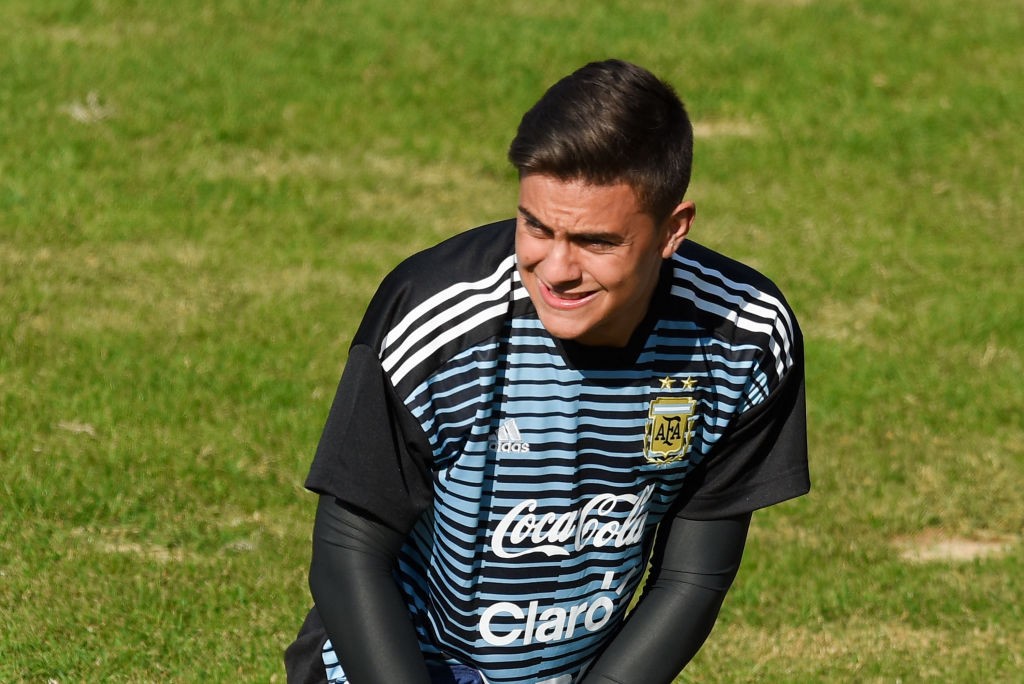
x=360 y=604
x=693 y=566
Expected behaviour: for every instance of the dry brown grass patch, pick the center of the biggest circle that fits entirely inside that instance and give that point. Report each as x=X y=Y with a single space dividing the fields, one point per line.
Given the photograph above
x=937 y=545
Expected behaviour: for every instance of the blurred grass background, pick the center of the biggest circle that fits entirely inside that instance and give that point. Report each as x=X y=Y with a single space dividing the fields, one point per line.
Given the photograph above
x=198 y=198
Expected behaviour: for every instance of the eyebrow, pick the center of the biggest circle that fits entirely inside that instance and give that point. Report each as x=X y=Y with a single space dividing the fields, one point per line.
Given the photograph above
x=533 y=220
x=614 y=238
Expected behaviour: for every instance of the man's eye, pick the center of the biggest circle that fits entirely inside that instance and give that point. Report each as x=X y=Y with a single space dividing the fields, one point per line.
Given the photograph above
x=539 y=232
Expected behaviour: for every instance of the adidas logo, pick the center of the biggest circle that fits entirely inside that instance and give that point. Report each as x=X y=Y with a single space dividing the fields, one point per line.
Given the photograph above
x=508 y=438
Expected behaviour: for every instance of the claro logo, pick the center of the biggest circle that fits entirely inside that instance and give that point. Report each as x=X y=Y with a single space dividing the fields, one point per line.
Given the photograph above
x=599 y=522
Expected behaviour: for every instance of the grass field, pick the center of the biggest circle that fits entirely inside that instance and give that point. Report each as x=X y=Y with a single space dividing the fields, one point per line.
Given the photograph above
x=198 y=198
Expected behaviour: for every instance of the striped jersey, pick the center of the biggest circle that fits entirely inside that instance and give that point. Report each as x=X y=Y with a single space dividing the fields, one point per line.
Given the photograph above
x=533 y=472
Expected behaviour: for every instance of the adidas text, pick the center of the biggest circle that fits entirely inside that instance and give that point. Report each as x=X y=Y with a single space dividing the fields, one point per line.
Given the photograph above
x=501 y=446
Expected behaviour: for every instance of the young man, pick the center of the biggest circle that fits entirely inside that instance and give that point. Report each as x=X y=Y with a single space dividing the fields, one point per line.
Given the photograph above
x=534 y=409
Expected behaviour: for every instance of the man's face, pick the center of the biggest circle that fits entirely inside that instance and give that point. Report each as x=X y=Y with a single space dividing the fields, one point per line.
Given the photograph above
x=589 y=256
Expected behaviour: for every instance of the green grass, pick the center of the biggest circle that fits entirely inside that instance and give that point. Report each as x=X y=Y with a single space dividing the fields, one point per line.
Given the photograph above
x=197 y=199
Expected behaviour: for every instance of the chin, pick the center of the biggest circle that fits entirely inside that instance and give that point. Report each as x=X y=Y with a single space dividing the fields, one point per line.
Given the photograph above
x=564 y=331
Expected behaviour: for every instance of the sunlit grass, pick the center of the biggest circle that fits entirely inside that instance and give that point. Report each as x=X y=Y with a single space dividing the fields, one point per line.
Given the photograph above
x=198 y=199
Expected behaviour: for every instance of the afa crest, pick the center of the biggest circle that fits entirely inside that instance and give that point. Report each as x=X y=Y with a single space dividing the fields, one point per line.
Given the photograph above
x=669 y=428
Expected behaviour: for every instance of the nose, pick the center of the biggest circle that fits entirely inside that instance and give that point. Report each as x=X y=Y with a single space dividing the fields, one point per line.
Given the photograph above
x=561 y=266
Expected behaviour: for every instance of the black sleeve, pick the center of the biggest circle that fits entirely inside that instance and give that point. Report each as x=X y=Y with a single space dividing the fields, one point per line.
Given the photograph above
x=761 y=461
x=372 y=454
x=693 y=566
x=362 y=608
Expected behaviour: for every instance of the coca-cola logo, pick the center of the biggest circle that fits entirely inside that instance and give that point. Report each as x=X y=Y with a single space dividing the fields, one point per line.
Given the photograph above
x=598 y=522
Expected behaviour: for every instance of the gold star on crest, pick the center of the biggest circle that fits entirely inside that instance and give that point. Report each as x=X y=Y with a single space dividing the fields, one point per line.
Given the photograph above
x=689 y=383
x=666 y=382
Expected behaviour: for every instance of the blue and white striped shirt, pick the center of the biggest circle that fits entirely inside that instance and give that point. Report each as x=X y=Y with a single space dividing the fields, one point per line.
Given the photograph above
x=533 y=472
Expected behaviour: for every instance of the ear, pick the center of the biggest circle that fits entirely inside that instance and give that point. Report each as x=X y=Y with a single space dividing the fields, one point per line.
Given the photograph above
x=676 y=226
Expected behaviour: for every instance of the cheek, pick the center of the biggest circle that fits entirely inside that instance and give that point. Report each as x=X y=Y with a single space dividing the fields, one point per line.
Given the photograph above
x=626 y=279
x=609 y=272
x=528 y=253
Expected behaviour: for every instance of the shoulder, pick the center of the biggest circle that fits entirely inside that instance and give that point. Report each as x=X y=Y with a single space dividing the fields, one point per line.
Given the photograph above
x=465 y=257
x=441 y=299
x=698 y=264
x=736 y=302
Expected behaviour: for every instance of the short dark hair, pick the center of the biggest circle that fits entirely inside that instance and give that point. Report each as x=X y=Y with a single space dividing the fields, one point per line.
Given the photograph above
x=610 y=122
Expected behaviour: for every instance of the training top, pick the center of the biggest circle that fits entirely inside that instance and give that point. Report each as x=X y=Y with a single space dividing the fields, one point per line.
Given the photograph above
x=532 y=472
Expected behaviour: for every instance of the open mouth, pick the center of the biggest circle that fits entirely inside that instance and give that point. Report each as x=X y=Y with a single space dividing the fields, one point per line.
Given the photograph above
x=565 y=300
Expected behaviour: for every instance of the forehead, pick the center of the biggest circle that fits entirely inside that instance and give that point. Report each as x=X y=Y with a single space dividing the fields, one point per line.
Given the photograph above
x=576 y=204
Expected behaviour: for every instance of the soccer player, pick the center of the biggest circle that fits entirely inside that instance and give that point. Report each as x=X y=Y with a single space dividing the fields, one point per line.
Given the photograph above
x=535 y=409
